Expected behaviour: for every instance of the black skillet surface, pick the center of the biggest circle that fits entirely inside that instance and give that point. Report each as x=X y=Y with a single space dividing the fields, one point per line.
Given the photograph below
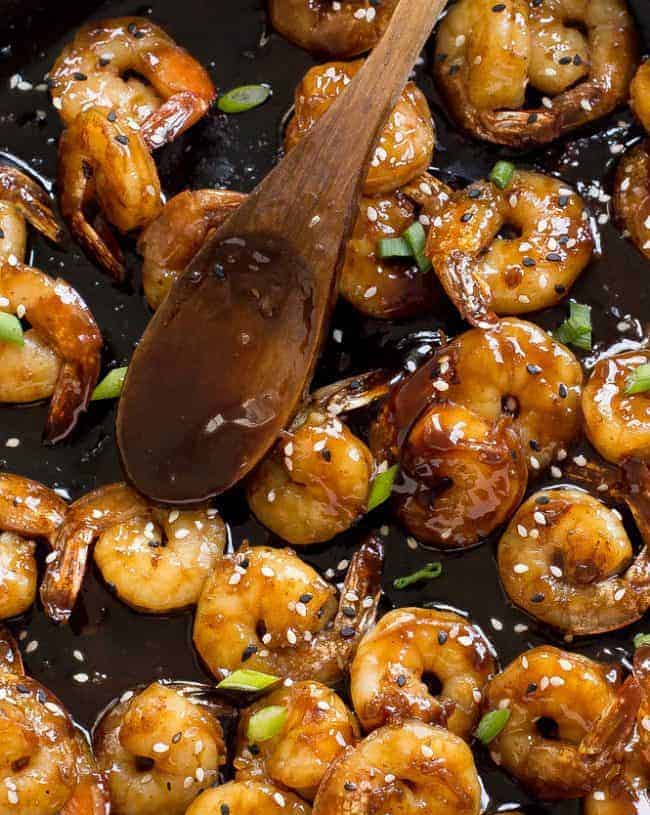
x=118 y=647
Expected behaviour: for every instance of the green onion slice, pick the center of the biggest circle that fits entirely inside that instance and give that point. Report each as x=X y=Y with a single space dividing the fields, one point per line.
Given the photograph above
x=416 y=238
x=429 y=572
x=577 y=329
x=502 y=173
x=266 y=723
x=393 y=248
x=381 y=487
x=639 y=380
x=640 y=640
x=111 y=385
x=248 y=681
x=10 y=329
x=491 y=725
x=244 y=98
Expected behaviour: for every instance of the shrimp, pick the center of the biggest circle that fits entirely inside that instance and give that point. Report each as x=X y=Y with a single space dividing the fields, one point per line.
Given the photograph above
x=570 y=719
x=339 y=30
x=404 y=149
x=411 y=649
x=159 y=749
x=617 y=423
x=316 y=729
x=567 y=560
x=265 y=609
x=155 y=559
x=389 y=288
x=28 y=510
x=105 y=165
x=169 y=243
x=248 y=798
x=131 y=66
x=486 y=57
x=402 y=769
x=485 y=274
x=315 y=483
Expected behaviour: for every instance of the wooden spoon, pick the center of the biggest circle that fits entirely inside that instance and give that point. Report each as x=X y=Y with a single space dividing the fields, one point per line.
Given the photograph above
x=228 y=357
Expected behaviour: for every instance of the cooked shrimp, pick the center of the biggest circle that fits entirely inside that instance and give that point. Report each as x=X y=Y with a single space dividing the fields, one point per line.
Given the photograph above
x=317 y=728
x=169 y=243
x=28 y=511
x=105 y=165
x=569 y=721
x=339 y=30
x=159 y=749
x=410 y=647
x=248 y=798
x=315 y=482
x=131 y=66
x=404 y=149
x=617 y=423
x=567 y=560
x=11 y=660
x=156 y=560
x=22 y=202
x=632 y=195
x=265 y=609
x=389 y=288
x=483 y=273
x=402 y=769
x=487 y=56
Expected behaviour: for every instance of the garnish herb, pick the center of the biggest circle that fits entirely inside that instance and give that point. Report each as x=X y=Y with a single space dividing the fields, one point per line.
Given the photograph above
x=244 y=98
x=491 y=725
x=381 y=487
x=640 y=640
x=248 y=681
x=429 y=572
x=577 y=329
x=10 y=329
x=639 y=380
x=502 y=173
x=416 y=238
x=393 y=248
x=111 y=385
x=266 y=723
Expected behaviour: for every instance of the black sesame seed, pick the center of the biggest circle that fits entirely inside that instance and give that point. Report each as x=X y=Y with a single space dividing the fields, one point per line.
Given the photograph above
x=139 y=35
x=474 y=193
x=531 y=688
x=466 y=217
x=454 y=70
x=563 y=200
x=245 y=563
x=349 y=611
x=22 y=689
x=122 y=139
x=177 y=737
x=401 y=680
x=169 y=786
x=563 y=240
x=2 y=234
x=112 y=116
x=554 y=257
x=248 y=652
x=224 y=809
x=441 y=57
x=131 y=28
x=347 y=632
x=560 y=289
x=537 y=598
x=528 y=261
x=565 y=61
x=577 y=60
x=532 y=118
x=306 y=598
x=542 y=499
x=79 y=76
x=41 y=697
x=326 y=454
x=254 y=749
x=349 y=786
x=443 y=636
x=563 y=391
x=219 y=271
x=499 y=7
x=533 y=369
x=534 y=445
x=104 y=61
x=537 y=3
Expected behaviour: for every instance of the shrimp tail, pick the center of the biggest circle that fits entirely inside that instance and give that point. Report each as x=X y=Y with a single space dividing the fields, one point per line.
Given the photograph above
x=83 y=524
x=70 y=399
x=91 y=795
x=362 y=582
x=11 y=660
x=518 y=128
x=174 y=117
x=466 y=291
x=31 y=200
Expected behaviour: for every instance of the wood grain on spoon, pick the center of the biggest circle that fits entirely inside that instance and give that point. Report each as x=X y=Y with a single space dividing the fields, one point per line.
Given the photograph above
x=228 y=357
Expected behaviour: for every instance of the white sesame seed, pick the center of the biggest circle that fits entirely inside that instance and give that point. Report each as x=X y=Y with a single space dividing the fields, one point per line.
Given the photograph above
x=160 y=747
x=520 y=568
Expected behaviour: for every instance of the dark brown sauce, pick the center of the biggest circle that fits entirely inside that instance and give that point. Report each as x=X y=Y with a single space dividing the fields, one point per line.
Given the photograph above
x=200 y=408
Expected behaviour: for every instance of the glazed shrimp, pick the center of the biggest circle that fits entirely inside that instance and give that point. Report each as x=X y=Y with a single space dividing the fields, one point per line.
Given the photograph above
x=159 y=749
x=567 y=560
x=265 y=609
x=317 y=728
x=617 y=424
x=248 y=798
x=315 y=483
x=484 y=274
x=105 y=167
x=156 y=560
x=549 y=690
x=402 y=769
x=410 y=646
x=404 y=149
x=169 y=243
x=487 y=57
x=96 y=70
x=339 y=30
x=28 y=511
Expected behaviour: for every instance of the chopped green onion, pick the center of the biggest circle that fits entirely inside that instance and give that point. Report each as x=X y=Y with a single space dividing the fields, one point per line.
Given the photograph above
x=393 y=248
x=491 y=725
x=577 y=329
x=640 y=640
x=244 y=98
x=111 y=385
x=502 y=173
x=248 y=681
x=639 y=380
x=429 y=572
x=416 y=238
x=266 y=723
x=10 y=329
x=381 y=487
